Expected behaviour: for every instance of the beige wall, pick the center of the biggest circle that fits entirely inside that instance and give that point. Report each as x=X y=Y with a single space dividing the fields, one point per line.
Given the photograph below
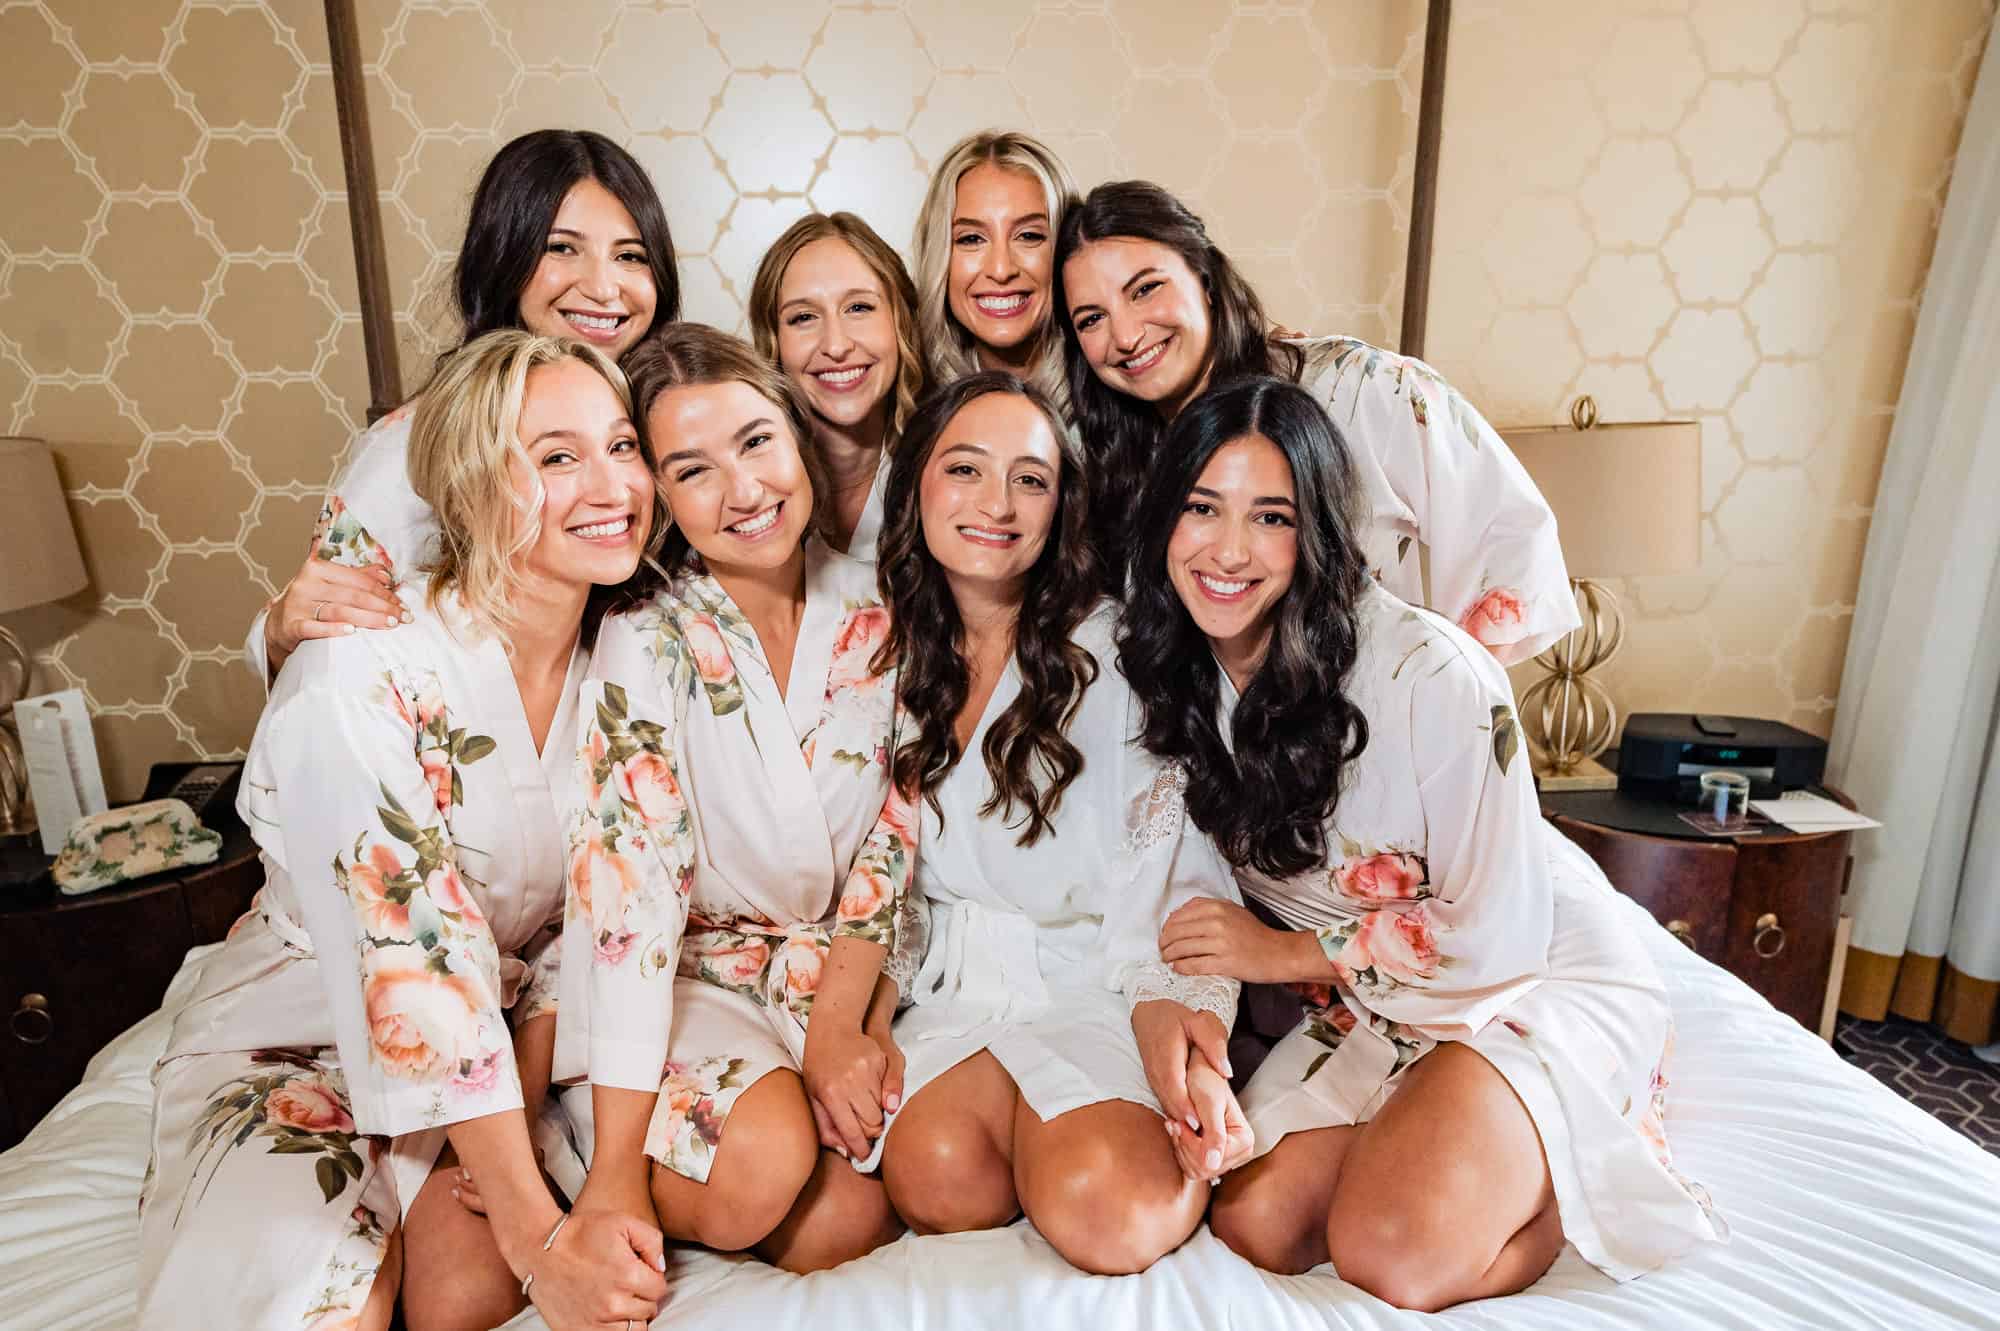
x=1724 y=211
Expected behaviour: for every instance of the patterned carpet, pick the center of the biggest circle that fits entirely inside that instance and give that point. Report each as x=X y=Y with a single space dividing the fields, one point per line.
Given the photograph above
x=1929 y=1071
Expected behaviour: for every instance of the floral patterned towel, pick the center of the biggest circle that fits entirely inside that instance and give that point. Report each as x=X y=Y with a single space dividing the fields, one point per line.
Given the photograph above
x=139 y=839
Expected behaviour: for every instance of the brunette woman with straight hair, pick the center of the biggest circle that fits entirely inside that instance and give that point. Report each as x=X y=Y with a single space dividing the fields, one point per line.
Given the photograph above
x=565 y=238
x=1153 y=312
x=1475 y=1069
x=1048 y=1048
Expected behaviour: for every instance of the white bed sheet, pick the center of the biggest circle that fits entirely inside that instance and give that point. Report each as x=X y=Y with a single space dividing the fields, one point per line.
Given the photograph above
x=1850 y=1208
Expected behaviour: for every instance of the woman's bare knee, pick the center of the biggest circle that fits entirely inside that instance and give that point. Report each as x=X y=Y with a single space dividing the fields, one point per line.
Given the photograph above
x=766 y=1156
x=453 y=1276
x=1262 y=1224
x=840 y=1216
x=948 y=1178
x=1109 y=1203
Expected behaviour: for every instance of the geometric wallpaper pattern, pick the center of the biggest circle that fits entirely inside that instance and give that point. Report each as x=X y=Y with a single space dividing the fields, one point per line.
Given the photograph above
x=1727 y=216
x=1700 y=208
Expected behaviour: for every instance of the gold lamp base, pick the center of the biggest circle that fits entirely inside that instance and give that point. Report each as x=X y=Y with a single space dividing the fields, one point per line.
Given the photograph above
x=17 y=810
x=1566 y=715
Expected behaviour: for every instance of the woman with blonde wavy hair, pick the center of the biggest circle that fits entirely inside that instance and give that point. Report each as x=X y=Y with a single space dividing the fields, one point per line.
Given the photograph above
x=833 y=307
x=738 y=866
x=985 y=247
x=347 y=1060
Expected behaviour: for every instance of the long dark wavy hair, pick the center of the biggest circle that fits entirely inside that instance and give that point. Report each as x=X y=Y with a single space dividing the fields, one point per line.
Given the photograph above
x=1122 y=433
x=514 y=206
x=1027 y=749
x=1295 y=729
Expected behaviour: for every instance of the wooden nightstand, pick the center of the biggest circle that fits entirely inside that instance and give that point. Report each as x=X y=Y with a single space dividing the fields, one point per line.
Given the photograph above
x=76 y=971
x=1765 y=907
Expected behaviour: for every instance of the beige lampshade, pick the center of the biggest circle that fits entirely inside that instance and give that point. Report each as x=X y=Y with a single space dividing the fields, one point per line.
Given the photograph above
x=1627 y=498
x=39 y=560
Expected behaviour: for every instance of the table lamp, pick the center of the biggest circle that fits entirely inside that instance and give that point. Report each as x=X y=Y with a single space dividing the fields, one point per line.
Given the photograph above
x=39 y=562
x=1627 y=500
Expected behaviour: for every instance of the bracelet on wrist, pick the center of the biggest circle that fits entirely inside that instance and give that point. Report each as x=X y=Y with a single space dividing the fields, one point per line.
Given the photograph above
x=547 y=1244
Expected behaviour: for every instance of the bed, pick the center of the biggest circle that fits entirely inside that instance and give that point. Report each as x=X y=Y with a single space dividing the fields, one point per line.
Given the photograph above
x=1849 y=1207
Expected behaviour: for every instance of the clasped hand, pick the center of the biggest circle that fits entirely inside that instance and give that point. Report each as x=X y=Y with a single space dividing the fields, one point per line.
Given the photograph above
x=854 y=1080
x=1186 y=1055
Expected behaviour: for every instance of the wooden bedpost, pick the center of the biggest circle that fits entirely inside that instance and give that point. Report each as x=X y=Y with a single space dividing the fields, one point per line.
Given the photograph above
x=364 y=211
x=1423 y=188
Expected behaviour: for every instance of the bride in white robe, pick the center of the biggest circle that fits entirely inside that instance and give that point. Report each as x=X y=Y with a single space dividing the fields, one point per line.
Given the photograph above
x=1047 y=1046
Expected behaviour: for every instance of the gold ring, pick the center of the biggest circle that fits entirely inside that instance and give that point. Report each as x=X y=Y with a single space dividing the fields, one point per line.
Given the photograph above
x=318 y=607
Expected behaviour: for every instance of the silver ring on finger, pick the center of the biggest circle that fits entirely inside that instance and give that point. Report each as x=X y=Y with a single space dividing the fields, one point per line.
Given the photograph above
x=319 y=608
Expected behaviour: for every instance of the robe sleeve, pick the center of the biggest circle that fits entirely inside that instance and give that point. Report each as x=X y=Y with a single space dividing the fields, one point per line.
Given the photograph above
x=631 y=870
x=362 y=765
x=1451 y=946
x=1449 y=481
x=375 y=481
x=1170 y=863
x=875 y=903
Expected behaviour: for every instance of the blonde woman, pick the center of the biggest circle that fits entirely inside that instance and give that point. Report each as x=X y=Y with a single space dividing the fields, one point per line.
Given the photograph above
x=738 y=865
x=348 y=1056
x=985 y=246
x=833 y=307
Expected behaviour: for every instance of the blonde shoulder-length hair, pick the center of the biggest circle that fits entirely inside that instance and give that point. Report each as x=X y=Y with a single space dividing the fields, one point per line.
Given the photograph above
x=952 y=352
x=465 y=442
x=898 y=290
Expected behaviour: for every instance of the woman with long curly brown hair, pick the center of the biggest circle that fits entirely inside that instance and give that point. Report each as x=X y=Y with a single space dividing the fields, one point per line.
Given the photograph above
x=1046 y=1037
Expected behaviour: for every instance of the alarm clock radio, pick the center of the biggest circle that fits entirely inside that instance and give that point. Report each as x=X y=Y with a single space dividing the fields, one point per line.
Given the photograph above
x=1663 y=754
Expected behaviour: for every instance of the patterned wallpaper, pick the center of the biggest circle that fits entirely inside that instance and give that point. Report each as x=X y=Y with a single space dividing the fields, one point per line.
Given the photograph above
x=1703 y=207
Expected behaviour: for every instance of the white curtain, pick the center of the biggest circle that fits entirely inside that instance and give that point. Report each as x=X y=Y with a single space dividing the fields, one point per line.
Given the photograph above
x=1913 y=737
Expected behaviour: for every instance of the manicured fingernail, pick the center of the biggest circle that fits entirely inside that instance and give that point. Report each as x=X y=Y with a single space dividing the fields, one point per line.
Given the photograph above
x=407 y=616
x=1227 y=1071
x=1194 y=1124
x=1214 y=1159
x=346 y=628
x=660 y=1262
x=891 y=1102
x=454 y=1194
x=391 y=622
x=1173 y=1128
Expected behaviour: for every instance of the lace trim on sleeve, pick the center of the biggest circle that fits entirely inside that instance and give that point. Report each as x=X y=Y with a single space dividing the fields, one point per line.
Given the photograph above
x=913 y=938
x=1152 y=980
x=1156 y=816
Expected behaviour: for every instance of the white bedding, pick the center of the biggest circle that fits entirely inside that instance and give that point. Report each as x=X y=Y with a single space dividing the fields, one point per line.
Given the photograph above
x=1849 y=1206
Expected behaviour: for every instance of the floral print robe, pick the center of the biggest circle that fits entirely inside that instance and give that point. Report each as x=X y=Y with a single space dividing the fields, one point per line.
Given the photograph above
x=1451 y=911
x=1038 y=954
x=413 y=851
x=725 y=835
x=369 y=517
x=1435 y=472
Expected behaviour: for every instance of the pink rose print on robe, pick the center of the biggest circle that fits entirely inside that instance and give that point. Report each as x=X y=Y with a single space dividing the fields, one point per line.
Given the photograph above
x=478 y=1076
x=861 y=636
x=308 y=1104
x=368 y=882
x=866 y=892
x=419 y=1021
x=738 y=962
x=437 y=772
x=899 y=814
x=804 y=960
x=1493 y=615
x=710 y=652
x=448 y=893
x=1397 y=945
x=596 y=751
x=335 y=1319
x=1390 y=876
x=646 y=782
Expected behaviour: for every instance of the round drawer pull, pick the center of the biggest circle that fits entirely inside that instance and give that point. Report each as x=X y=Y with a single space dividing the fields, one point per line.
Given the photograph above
x=1769 y=940
x=32 y=1022
x=1682 y=930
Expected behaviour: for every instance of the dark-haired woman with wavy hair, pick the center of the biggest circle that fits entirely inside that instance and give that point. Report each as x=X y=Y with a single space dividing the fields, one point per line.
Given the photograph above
x=1153 y=312
x=1476 y=1072
x=1046 y=1035
x=566 y=238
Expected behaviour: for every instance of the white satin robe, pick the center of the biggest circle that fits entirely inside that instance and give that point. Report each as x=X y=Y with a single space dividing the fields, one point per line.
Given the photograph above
x=1038 y=954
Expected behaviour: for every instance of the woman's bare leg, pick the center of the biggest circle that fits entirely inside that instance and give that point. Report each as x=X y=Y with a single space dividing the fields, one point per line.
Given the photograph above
x=841 y=1215
x=1102 y=1185
x=948 y=1165
x=1272 y=1212
x=768 y=1149
x=456 y=1277
x=1445 y=1195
